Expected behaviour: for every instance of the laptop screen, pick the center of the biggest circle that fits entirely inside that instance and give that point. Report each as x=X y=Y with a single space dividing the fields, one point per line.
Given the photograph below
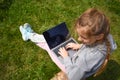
x=56 y=35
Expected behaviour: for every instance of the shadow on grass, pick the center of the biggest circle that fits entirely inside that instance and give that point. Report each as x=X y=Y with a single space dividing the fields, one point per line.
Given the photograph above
x=112 y=72
x=4 y=7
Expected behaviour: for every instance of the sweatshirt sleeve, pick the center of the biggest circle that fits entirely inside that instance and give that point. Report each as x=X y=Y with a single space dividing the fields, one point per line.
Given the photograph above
x=75 y=70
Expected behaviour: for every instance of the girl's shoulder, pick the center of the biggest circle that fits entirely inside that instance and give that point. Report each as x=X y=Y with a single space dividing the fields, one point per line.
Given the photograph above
x=98 y=48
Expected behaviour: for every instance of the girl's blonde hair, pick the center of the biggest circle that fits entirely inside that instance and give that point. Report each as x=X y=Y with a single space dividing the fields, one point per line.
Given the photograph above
x=95 y=21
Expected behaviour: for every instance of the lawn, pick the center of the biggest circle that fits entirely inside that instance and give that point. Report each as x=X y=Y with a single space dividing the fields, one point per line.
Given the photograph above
x=20 y=60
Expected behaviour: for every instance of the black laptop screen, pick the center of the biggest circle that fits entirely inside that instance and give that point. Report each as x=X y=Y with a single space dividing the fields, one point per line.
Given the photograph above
x=56 y=35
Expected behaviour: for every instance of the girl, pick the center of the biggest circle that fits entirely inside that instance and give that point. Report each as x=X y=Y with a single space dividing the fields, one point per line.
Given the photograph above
x=96 y=44
x=93 y=29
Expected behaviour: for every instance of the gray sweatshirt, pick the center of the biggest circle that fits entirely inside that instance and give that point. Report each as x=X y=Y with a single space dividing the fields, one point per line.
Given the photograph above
x=85 y=62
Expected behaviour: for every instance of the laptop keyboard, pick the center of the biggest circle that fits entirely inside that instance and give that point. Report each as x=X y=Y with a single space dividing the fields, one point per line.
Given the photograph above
x=70 y=51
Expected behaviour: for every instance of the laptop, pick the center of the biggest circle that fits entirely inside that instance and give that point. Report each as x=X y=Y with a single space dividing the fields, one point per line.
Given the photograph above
x=57 y=37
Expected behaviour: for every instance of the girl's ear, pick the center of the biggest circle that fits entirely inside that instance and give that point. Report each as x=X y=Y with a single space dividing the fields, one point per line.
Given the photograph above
x=100 y=37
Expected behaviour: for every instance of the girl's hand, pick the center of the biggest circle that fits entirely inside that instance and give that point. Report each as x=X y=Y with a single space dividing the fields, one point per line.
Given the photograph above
x=63 y=52
x=73 y=46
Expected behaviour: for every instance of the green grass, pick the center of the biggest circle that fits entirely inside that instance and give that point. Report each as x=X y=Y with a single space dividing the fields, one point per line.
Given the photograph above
x=21 y=60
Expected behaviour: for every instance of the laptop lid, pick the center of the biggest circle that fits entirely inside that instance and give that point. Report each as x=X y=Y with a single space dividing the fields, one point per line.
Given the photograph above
x=56 y=35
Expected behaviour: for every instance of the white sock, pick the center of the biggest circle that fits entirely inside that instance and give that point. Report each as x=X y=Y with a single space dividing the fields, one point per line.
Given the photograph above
x=34 y=37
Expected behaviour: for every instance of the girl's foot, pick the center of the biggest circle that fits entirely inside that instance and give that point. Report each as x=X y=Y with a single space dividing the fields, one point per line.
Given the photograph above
x=28 y=27
x=25 y=34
